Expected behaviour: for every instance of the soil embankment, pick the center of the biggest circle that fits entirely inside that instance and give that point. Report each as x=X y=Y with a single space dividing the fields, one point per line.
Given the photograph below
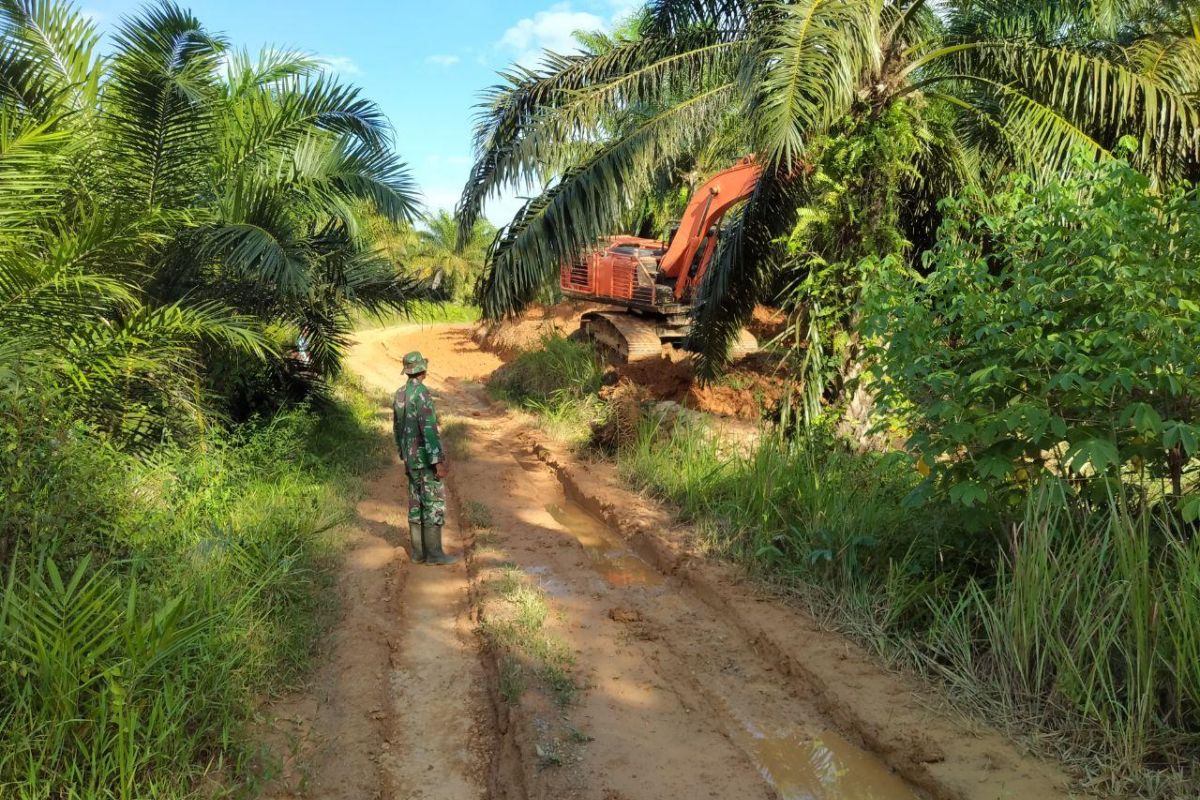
x=752 y=387
x=611 y=661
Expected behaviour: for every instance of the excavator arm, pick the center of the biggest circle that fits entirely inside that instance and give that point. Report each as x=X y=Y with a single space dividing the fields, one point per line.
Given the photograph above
x=692 y=247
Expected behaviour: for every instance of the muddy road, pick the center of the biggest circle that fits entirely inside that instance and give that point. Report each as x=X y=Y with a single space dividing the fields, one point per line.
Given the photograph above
x=572 y=655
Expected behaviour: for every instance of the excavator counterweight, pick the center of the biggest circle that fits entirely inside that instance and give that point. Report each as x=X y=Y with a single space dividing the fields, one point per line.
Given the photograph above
x=653 y=283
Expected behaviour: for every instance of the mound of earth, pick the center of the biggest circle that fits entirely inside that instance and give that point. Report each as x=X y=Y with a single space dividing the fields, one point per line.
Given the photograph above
x=509 y=337
x=766 y=323
x=753 y=387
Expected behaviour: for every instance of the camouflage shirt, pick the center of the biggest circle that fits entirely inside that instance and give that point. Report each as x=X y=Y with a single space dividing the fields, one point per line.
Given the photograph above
x=415 y=426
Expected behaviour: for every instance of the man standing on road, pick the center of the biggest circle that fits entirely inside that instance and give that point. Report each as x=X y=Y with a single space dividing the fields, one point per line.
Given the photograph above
x=415 y=427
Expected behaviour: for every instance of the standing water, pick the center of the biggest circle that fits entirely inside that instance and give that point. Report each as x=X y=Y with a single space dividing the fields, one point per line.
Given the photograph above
x=609 y=555
x=823 y=767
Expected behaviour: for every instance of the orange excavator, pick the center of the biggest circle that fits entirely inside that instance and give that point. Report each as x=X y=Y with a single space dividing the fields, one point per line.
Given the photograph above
x=654 y=282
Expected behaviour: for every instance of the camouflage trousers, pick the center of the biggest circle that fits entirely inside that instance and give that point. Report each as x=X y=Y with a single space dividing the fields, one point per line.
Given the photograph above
x=426 y=497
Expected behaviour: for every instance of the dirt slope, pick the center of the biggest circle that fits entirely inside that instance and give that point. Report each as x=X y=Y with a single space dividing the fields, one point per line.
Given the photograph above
x=690 y=684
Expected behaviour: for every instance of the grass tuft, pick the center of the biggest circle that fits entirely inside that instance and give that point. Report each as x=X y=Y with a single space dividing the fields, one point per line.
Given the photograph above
x=456 y=437
x=519 y=632
x=557 y=382
x=477 y=515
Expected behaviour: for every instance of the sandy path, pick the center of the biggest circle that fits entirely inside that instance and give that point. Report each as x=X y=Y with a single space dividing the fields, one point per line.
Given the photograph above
x=677 y=702
x=677 y=699
x=399 y=708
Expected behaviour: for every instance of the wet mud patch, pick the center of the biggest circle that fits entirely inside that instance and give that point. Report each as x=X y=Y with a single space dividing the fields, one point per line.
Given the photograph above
x=824 y=766
x=607 y=553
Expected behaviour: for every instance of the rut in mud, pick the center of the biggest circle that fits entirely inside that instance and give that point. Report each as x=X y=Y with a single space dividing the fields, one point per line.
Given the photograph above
x=654 y=692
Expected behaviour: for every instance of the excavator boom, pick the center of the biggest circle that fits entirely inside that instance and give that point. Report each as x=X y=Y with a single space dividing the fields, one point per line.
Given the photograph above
x=692 y=247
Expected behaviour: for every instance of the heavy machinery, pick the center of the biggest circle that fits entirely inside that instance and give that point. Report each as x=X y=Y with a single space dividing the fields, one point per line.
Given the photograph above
x=654 y=282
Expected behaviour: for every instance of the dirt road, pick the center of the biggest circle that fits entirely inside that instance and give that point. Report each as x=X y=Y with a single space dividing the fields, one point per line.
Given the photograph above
x=597 y=675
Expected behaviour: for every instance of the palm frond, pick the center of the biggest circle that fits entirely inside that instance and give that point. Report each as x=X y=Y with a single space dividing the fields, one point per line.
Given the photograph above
x=30 y=176
x=245 y=75
x=1063 y=98
x=814 y=54
x=277 y=117
x=379 y=176
x=159 y=115
x=263 y=247
x=525 y=122
x=670 y=17
x=61 y=42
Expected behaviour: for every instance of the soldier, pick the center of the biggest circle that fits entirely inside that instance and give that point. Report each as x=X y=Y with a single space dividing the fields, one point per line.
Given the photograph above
x=414 y=425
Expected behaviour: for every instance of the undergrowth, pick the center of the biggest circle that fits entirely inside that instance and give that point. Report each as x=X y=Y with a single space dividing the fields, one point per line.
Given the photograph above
x=1080 y=623
x=517 y=628
x=556 y=381
x=421 y=311
x=148 y=603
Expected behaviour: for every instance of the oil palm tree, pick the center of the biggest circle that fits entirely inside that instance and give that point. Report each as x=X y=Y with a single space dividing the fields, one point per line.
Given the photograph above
x=453 y=266
x=181 y=184
x=998 y=85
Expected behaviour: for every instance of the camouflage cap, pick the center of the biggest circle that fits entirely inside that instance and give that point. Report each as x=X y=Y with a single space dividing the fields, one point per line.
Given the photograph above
x=414 y=363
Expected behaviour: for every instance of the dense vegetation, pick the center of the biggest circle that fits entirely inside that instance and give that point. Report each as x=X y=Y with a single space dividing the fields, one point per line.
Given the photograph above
x=185 y=241
x=1055 y=336
x=150 y=602
x=982 y=221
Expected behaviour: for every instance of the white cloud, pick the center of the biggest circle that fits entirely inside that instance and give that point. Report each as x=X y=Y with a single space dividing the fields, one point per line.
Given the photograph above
x=92 y=15
x=442 y=60
x=547 y=30
x=343 y=64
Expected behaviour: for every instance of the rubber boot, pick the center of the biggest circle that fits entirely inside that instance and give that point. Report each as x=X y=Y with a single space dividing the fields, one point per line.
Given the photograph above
x=433 y=546
x=418 y=542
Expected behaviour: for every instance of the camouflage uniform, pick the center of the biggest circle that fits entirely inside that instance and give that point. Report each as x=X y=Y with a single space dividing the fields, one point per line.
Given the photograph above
x=415 y=428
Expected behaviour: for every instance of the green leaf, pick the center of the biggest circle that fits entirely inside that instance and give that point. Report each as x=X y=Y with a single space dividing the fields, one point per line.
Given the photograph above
x=1145 y=419
x=1100 y=454
x=968 y=493
x=1190 y=509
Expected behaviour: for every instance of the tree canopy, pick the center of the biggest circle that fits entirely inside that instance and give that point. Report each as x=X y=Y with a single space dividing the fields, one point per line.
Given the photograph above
x=989 y=87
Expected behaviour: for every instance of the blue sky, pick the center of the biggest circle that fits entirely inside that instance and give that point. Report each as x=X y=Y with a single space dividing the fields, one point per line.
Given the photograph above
x=423 y=62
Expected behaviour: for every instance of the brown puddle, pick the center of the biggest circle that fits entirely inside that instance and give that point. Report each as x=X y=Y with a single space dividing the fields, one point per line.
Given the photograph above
x=608 y=554
x=822 y=767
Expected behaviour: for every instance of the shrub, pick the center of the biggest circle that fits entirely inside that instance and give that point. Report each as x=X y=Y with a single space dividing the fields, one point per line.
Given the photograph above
x=1057 y=333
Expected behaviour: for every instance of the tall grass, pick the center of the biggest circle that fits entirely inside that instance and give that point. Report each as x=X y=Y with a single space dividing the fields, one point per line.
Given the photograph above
x=804 y=508
x=1080 y=623
x=557 y=381
x=419 y=312
x=143 y=616
x=1089 y=625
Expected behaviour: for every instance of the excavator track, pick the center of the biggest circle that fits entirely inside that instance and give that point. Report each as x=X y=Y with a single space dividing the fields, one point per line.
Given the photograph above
x=626 y=336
